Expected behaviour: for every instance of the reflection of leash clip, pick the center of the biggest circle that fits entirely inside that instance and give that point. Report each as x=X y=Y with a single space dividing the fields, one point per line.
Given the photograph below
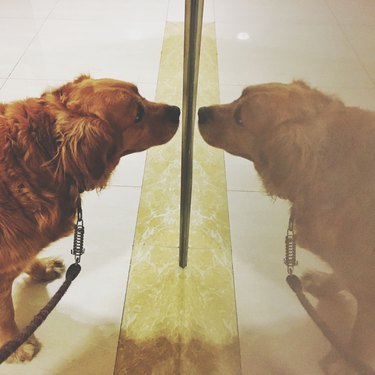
x=290 y=259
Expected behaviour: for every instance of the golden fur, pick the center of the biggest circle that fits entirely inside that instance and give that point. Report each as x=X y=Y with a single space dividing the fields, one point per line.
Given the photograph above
x=319 y=154
x=53 y=148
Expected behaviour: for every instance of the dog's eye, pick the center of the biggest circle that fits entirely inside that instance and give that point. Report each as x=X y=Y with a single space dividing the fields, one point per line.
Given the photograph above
x=140 y=113
x=237 y=117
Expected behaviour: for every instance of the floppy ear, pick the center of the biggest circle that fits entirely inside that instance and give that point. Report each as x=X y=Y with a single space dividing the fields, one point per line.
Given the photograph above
x=62 y=93
x=284 y=154
x=86 y=145
x=81 y=78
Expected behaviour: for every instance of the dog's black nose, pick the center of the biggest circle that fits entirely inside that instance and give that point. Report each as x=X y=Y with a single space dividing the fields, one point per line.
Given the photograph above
x=174 y=114
x=204 y=115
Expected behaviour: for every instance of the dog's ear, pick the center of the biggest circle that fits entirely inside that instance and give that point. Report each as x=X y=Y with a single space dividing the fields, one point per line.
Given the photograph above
x=63 y=92
x=300 y=83
x=86 y=145
x=306 y=103
x=81 y=78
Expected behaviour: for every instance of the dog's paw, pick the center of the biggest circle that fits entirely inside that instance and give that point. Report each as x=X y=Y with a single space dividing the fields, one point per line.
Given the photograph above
x=320 y=284
x=313 y=282
x=46 y=269
x=26 y=352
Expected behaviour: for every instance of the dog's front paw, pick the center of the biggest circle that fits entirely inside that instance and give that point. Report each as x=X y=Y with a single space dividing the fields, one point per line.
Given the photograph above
x=26 y=352
x=320 y=284
x=46 y=269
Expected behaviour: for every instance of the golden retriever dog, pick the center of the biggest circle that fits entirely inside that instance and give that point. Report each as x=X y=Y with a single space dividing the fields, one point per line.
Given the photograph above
x=319 y=154
x=53 y=148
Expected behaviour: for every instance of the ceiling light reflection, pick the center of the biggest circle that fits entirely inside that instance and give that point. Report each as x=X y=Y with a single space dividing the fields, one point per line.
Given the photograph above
x=243 y=36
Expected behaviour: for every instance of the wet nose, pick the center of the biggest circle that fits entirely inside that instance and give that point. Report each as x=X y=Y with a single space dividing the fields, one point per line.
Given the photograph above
x=174 y=114
x=204 y=115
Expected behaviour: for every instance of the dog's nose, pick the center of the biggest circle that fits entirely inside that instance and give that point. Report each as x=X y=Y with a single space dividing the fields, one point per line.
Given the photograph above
x=174 y=114
x=204 y=115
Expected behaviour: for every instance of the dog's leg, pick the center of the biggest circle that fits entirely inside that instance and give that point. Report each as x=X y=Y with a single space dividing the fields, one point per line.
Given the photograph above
x=338 y=308
x=321 y=284
x=8 y=326
x=333 y=364
x=361 y=344
x=46 y=269
x=363 y=334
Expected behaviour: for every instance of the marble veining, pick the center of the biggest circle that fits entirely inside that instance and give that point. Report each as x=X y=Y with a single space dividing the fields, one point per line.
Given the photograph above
x=181 y=321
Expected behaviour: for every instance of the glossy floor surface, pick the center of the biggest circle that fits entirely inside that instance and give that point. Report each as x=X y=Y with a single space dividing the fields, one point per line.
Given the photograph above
x=328 y=43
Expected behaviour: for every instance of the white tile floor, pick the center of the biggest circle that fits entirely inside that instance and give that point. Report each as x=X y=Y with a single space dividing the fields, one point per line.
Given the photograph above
x=329 y=43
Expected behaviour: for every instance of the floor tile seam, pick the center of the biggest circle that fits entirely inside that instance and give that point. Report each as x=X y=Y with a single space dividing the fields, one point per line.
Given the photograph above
x=345 y=34
x=131 y=186
x=21 y=18
x=325 y=86
x=32 y=39
x=121 y=322
x=103 y=18
x=30 y=79
x=247 y=191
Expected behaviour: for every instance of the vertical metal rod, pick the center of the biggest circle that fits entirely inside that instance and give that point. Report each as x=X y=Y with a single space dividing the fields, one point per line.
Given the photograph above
x=192 y=43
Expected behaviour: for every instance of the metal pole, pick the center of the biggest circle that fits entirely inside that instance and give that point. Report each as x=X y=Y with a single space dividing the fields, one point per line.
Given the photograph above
x=192 y=43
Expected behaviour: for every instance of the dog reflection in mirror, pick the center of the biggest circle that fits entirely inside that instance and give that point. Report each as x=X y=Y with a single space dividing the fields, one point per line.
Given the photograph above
x=52 y=148
x=319 y=154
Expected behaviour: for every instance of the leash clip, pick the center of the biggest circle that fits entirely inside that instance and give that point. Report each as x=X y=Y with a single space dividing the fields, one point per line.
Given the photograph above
x=79 y=232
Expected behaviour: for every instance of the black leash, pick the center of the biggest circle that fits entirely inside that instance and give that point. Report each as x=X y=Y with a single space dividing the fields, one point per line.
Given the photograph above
x=72 y=272
x=295 y=284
